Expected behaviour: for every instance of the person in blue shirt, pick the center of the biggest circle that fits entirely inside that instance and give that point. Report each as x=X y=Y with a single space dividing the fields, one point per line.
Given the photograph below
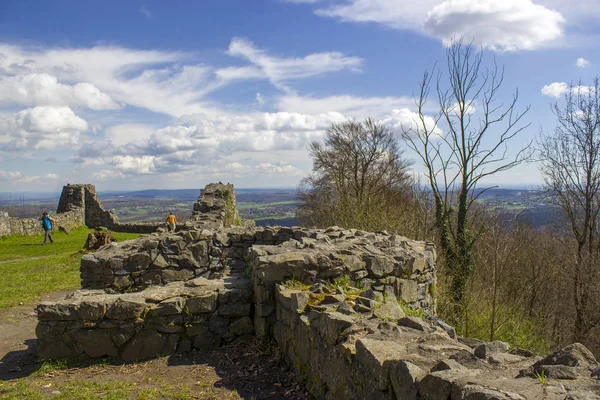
x=47 y=225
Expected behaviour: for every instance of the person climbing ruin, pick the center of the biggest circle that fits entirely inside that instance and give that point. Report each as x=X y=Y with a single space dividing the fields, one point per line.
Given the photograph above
x=47 y=226
x=171 y=221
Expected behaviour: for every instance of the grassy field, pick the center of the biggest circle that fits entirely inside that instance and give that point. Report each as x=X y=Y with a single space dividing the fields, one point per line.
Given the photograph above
x=245 y=205
x=29 y=269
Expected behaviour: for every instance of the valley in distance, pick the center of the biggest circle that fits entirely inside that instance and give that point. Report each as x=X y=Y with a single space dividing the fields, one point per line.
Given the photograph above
x=268 y=207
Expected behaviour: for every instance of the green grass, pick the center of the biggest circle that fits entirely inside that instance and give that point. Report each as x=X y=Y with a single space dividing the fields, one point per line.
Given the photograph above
x=30 y=270
x=245 y=205
x=110 y=390
x=275 y=217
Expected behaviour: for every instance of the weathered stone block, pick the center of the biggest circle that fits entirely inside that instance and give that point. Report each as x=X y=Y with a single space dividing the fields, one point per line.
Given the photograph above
x=126 y=308
x=234 y=310
x=145 y=344
x=96 y=342
x=202 y=304
x=404 y=377
x=48 y=311
x=407 y=290
x=378 y=356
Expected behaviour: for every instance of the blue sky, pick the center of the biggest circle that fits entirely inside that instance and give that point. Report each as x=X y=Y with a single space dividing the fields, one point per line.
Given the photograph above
x=155 y=94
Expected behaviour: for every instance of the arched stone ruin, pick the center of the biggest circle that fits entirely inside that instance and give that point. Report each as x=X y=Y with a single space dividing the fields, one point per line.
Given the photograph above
x=212 y=283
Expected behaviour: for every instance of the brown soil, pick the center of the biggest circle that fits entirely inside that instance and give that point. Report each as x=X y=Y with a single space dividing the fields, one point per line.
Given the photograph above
x=248 y=369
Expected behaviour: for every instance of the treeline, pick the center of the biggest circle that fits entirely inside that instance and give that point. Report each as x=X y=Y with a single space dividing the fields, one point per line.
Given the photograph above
x=536 y=288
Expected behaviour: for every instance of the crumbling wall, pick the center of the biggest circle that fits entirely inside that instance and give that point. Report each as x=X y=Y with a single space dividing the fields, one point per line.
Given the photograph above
x=340 y=351
x=179 y=317
x=33 y=226
x=352 y=311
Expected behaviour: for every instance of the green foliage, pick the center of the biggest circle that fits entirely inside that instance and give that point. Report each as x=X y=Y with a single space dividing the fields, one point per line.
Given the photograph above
x=412 y=312
x=511 y=324
x=51 y=366
x=295 y=284
x=346 y=284
x=541 y=377
x=29 y=269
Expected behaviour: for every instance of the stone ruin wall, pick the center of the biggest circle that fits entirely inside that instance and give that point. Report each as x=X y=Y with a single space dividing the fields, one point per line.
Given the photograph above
x=33 y=226
x=207 y=285
x=79 y=205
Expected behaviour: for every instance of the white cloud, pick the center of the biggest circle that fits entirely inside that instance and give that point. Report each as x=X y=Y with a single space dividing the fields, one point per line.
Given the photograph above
x=171 y=83
x=555 y=89
x=405 y=120
x=125 y=75
x=18 y=177
x=126 y=133
x=506 y=25
x=280 y=70
x=583 y=63
x=260 y=100
x=10 y=175
x=107 y=174
x=349 y=106
x=43 y=89
x=41 y=128
x=142 y=165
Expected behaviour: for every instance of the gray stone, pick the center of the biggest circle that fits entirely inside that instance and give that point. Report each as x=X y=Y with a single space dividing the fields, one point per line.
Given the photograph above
x=574 y=355
x=144 y=345
x=206 y=303
x=126 y=308
x=97 y=343
x=172 y=275
x=471 y=342
x=172 y=306
x=447 y=364
x=389 y=312
x=91 y=310
x=484 y=350
x=404 y=377
x=378 y=356
x=242 y=326
x=234 y=310
x=444 y=326
x=407 y=290
x=414 y=323
x=478 y=392
x=48 y=311
x=299 y=301
x=332 y=324
x=379 y=266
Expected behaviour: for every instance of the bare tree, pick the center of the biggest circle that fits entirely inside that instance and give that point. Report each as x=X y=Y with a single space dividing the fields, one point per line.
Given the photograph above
x=359 y=177
x=570 y=165
x=466 y=141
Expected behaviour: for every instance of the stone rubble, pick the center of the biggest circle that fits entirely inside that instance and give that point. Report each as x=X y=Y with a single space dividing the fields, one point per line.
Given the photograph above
x=352 y=311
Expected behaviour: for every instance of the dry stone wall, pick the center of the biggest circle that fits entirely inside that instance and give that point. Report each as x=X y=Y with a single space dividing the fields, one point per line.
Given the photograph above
x=342 y=350
x=33 y=226
x=177 y=317
x=352 y=311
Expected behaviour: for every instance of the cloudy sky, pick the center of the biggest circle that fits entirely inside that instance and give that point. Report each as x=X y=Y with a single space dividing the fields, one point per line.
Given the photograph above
x=155 y=94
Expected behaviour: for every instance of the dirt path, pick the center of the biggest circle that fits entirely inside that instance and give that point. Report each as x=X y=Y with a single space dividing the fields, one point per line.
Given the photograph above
x=17 y=334
x=246 y=370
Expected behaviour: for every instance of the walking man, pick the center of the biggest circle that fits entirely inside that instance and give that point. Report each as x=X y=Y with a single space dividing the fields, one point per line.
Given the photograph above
x=171 y=221
x=47 y=225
